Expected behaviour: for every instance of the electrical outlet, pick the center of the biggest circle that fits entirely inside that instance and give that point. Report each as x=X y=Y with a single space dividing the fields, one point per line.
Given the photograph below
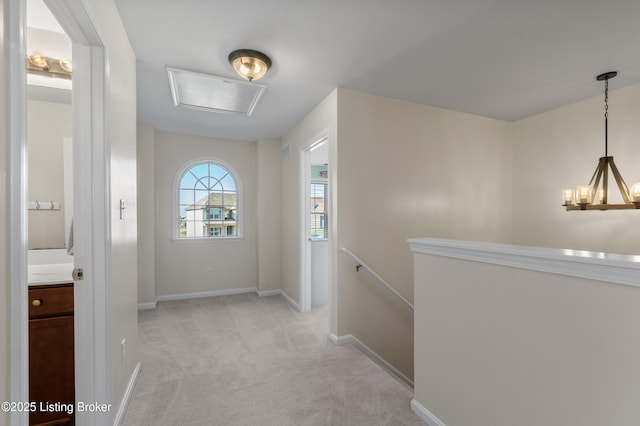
x=123 y=350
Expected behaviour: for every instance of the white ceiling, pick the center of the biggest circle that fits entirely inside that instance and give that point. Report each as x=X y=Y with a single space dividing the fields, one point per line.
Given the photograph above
x=506 y=59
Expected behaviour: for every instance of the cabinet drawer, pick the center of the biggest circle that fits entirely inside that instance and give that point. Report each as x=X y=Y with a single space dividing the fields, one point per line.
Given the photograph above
x=49 y=301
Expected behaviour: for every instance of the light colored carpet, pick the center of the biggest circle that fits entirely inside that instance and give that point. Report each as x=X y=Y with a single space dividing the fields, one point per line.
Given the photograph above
x=245 y=360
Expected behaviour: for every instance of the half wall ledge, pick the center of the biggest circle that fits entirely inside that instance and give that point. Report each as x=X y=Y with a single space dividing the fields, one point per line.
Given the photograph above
x=607 y=267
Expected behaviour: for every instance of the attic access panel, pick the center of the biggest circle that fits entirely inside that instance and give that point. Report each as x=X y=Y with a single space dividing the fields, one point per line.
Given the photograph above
x=211 y=93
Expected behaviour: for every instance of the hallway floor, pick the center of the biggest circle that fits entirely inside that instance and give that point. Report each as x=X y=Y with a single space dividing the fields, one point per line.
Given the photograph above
x=245 y=360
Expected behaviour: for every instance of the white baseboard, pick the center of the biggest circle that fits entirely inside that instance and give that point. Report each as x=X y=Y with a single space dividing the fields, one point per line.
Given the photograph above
x=231 y=292
x=292 y=302
x=127 y=396
x=425 y=414
x=340 y=340
x=147 y=306
x=269 y=293
x=351 y=339
x=184 y=296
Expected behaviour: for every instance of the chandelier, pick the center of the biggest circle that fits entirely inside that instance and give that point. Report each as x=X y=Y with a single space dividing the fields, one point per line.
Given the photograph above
x=587 y=196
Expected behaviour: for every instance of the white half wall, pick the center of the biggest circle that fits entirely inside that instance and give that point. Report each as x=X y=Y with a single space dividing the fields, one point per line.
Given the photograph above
x=508 y=345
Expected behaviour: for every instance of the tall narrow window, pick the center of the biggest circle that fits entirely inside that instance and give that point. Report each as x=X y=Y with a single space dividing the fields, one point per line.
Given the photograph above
x=207 y=201
x=319 y=223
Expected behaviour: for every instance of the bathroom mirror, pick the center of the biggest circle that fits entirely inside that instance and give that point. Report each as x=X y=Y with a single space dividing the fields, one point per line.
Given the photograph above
x=49 y=146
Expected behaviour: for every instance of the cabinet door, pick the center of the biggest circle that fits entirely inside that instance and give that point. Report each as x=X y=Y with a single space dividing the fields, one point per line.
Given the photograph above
x=51 y=366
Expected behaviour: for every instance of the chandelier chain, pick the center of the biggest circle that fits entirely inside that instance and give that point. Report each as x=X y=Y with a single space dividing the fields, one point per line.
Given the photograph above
x=606 y=99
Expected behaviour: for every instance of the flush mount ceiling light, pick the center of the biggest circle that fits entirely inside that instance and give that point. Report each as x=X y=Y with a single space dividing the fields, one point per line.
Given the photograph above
x=584 y=197
x=37 y=63
x=211 y=93
x=250 y=64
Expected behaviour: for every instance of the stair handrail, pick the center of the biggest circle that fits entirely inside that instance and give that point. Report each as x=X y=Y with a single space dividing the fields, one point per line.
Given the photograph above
x=362 y=264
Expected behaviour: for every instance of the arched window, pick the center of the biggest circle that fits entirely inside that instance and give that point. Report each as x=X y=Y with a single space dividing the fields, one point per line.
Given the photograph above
x=208 y=201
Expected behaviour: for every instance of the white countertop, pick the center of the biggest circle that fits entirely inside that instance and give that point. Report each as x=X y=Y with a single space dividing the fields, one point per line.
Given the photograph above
x=53 y=273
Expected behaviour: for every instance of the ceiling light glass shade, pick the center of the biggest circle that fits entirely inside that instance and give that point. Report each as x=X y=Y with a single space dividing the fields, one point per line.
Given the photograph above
x=250 y=64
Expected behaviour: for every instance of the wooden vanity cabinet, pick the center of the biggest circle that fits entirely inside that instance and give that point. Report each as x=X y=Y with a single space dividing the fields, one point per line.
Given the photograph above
x=51 y=354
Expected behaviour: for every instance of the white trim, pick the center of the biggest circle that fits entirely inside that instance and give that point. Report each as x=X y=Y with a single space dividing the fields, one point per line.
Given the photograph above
x=304 y=191
x=269 y=293
x=611 y=268
x=371 y=354
x=425 y=414
x=92 y=207
x=175 y=231
x=213 y=293
x=292 y=302
x=15 y=80
x=340 y=340
x=127 y=396
x=147 y=306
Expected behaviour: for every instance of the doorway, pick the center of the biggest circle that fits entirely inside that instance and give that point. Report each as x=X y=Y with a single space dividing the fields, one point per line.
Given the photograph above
x=90 y=211
x=315 y=254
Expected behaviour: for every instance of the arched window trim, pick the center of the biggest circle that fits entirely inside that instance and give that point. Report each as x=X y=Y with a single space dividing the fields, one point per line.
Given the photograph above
x=176 y=201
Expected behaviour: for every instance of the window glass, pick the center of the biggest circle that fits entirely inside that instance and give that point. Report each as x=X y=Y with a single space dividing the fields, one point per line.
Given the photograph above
x=207 y=202
x=319 y=228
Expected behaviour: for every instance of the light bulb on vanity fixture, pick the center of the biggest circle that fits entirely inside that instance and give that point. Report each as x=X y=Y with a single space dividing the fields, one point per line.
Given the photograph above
x=37 y=63
x=583 y=197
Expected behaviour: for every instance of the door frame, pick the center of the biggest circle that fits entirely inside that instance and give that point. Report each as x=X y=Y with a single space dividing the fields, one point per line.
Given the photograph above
x=305 y=212
x=92 y=299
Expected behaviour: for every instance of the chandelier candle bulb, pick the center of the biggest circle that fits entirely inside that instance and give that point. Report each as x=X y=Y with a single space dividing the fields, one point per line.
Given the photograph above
x=583 y=194
x=635 y=192
x=567 y=197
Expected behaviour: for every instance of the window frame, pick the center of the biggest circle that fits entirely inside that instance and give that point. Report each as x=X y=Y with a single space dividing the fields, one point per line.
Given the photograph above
x=324 y=214
x=175 y=208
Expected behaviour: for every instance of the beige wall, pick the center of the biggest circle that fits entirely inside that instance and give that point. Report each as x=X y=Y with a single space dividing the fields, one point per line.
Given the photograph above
x=409 y=170
x=502 y=346
x=146 y=214
x=204 y=265
x=48 y=123
x=268 y=217
x=121 y=125
x=559 y=149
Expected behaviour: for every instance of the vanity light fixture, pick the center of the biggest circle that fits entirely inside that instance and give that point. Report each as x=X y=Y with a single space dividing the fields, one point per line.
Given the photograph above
x=587 y=196
x=37 y=63
x=250 y=64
